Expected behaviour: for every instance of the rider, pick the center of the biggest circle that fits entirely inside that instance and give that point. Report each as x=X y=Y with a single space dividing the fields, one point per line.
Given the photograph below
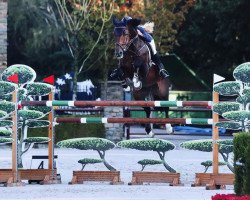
x=149 y=39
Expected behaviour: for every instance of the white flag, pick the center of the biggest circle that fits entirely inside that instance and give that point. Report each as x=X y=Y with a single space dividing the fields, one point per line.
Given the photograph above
x=218 y=78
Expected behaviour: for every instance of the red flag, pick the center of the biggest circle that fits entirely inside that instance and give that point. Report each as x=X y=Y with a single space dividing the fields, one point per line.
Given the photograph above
x=50 y=80
x=13 y=78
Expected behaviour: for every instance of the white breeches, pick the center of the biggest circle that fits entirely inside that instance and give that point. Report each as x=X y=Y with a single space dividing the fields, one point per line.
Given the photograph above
x=152 y=44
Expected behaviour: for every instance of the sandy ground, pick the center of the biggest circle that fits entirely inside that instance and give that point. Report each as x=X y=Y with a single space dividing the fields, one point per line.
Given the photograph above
x=183 y=161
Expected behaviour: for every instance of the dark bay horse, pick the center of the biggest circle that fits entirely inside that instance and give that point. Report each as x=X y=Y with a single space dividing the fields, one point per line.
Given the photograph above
x=135 y=60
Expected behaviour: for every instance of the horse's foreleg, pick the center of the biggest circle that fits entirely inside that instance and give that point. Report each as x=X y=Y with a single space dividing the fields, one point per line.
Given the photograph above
x=148 y=127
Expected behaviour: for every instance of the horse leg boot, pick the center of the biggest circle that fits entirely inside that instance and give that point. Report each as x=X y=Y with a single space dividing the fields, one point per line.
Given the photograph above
x=162 y=71
x=118 y=73
x=137 y=83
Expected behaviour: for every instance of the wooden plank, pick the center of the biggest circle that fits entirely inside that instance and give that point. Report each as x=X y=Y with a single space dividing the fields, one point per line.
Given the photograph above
x=80 y=176
x=138 y=178
x=212 y=181
x=215 y=137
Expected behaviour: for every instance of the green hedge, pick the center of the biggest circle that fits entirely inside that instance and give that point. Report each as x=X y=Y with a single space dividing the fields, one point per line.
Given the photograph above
x=68 y=131
x=242 y=163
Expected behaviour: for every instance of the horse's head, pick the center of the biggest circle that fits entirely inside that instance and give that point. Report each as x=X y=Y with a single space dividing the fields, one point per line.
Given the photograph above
x=125 y=32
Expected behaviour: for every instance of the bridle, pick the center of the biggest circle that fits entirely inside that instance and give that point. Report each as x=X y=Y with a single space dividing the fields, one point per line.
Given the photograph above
x=125 y=47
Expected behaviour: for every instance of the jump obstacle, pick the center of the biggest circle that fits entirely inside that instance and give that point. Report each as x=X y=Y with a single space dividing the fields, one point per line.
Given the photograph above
x=212 y=181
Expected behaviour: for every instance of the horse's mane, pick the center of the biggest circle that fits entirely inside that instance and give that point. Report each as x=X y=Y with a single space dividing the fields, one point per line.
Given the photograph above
x=148 y=26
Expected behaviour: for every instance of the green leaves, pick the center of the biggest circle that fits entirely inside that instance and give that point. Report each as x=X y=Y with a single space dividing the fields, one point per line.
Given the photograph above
x=3 y=114
x=90 y=161
x=39 y=140
x=225 y=146
x=6 y=123
x=149 y=162
x=38 y=89
x=6 y=88
x=223 y=107
x=148 y=144
x=5 y=132
x=229 y=125
x=227 y=88
x=237 y=115
x=89 y=143
x=6 y=106
x=242 y=72
x=5 y=140
x=38 y=123
x=25 y=73
x=29 y=114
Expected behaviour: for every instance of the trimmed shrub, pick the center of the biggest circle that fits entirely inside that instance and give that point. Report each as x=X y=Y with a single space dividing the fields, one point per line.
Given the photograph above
x=98 y=144
x=86 y=161
x=242 y=163
x=38 y=89
x=146 y=162
x=151 y=144
x=38 y=140
x=6 y=88
x=225 y=148
x=3 y=114
x=5 y=140
x=5 y=132
x=7 y=106
x=6 y=123
x=29 y=114
x=25 y=73
x=209 y=163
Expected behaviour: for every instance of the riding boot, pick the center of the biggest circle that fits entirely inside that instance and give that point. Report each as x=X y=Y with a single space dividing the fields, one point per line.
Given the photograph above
x=162 y=71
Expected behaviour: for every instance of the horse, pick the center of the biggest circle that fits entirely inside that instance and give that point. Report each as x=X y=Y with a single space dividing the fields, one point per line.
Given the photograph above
x=134 y=58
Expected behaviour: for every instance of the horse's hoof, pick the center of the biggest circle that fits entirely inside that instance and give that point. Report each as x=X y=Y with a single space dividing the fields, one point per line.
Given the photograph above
x=151 y=134
x=138 y=85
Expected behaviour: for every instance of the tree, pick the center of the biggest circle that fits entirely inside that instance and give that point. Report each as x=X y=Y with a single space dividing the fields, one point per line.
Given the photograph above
x=90 y=143
x=237 y=112
x=214 y=37
x=168 y=16
x=29 y=116
x=151 y=144
x=88 y=16
x=35 y=37
x=225 y=148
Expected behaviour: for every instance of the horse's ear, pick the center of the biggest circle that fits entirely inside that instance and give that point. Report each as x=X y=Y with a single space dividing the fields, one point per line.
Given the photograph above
x=135 y=22
x=115 y=21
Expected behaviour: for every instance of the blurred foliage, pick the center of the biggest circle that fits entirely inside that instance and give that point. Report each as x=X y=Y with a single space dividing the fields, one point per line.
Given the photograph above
x=242 y=163
x=215 y=37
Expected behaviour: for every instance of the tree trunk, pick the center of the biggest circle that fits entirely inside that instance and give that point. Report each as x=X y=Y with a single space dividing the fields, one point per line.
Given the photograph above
x=105 y=78
x=102 y=156
x=162 y=157
x=225 y=158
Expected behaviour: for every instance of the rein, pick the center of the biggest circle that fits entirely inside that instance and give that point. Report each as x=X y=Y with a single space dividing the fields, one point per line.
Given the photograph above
x=128 y=44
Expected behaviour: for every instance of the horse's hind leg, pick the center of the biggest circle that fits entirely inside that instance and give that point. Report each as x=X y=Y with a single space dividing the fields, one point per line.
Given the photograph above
x=148 y=127
x=169 y=128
